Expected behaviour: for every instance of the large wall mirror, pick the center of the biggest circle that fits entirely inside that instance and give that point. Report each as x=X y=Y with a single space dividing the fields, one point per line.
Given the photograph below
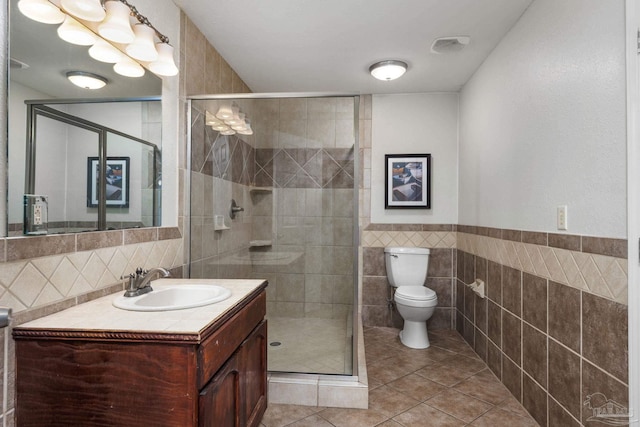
x=52 y=136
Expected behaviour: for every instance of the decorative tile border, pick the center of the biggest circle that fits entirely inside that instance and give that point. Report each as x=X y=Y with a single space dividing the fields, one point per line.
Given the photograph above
x=601 y=275
x=593 y=264
x=430 y=239
x=36 y=282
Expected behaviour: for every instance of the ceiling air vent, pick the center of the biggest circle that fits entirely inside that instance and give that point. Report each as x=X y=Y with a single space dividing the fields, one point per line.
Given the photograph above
x=449 y=44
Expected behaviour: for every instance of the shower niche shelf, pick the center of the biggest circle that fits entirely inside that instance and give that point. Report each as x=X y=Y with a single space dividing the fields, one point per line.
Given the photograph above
x=259 y=243
x=261 y=190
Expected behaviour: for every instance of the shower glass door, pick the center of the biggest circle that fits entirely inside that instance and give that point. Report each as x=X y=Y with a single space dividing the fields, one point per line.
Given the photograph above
x=294 y=175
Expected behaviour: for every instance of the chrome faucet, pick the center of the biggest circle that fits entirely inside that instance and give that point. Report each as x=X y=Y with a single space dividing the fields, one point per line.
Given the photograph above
x=139 y=282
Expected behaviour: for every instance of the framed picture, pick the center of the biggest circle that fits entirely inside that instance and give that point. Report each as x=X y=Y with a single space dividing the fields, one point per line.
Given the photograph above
x=117 y=177
x=408 y=181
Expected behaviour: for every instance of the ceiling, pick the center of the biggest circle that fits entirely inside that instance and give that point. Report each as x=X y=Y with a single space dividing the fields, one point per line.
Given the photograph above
x=328 y=45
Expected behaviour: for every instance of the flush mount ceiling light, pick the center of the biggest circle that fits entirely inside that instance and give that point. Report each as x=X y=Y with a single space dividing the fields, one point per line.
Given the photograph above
x=388 y=70
x=86 y=80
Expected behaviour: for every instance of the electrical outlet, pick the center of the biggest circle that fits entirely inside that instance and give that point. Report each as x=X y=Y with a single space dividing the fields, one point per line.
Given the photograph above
x=37 y=214
x=562 y=217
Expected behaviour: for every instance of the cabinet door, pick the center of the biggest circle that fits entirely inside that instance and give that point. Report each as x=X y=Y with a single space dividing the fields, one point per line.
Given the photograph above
x=253 y=353
x=220 y=402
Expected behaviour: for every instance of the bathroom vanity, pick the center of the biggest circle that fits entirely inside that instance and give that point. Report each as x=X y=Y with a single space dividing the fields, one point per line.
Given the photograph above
x=96 y=365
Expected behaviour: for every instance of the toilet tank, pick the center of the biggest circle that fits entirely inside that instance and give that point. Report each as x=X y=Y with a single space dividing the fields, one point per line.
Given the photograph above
x=406 y=266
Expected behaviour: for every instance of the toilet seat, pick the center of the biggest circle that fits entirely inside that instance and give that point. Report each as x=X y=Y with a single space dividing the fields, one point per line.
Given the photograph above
x=416 y=293
x=416 y=296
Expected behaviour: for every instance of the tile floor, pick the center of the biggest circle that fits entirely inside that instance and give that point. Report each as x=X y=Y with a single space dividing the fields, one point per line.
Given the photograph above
x=309 y=345
x=444 y=385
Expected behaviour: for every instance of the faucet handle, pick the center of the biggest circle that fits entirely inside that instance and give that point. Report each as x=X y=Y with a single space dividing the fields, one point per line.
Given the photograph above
x=127 y=276
x=140 y=271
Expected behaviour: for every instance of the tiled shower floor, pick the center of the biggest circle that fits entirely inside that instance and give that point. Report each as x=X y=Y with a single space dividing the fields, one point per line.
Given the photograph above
x=309 y=345
x=446 y=385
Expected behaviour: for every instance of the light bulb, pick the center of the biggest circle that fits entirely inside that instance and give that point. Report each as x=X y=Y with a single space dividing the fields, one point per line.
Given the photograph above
x=128 y=67
x=88 y=10
x=41 y=11
x=116 y=27
x=143 y=48
x=164 y=65
x=74 y=32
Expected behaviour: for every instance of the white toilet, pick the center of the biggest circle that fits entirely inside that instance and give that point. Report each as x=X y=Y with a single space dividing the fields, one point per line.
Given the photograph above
x=407 y=271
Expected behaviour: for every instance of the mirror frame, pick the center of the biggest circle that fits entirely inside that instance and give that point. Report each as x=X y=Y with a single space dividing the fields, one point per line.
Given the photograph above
x=43 y=108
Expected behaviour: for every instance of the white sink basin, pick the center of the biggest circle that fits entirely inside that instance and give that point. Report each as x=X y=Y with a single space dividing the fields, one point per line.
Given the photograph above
x=174 y=297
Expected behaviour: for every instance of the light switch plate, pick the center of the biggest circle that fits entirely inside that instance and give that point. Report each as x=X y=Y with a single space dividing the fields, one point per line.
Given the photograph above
x=562 y=217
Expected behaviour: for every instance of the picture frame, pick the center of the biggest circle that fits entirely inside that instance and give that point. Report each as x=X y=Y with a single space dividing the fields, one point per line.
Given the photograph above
x=117 y=181
x=407 y=181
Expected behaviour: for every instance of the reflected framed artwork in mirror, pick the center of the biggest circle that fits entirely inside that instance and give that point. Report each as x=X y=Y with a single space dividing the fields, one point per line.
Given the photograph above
x=407 y=181
x=117 y=177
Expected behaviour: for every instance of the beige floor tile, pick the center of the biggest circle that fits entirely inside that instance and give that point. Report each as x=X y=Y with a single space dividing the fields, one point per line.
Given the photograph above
x=501 y=418
x=461 y=406
x=511 y=404
x=445 y=375
x=389 y=401
x=484 y=386
x=398 y=383
x=278 y=415
x=312 y=421
x=418 y=416
x=353 y=417
x=417 y=387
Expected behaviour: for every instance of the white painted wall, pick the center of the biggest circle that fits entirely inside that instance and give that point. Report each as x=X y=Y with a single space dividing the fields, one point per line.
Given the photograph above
x=543 y=123
x=424 y=123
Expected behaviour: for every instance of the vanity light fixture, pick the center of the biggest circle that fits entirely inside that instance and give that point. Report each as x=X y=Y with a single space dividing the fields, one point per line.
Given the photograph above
x=41 y=11
x=86 y=80
x=74 y=32
x=128 y=67
x=116 y=27
x=388 y=70
x=88 y=10
x=104 y=51
x=106 y=30
x=142 y=48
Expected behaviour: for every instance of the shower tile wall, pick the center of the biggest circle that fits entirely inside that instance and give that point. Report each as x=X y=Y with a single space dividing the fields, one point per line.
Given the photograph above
x=222 y=168
x=305 y=152
x=553 y=327
x=297 y=189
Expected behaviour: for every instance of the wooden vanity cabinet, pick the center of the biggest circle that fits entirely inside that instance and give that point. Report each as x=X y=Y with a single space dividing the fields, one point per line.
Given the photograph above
x=215 y=378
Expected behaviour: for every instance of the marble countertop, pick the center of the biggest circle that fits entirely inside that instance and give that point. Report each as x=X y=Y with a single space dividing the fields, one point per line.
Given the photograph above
x=100 y=314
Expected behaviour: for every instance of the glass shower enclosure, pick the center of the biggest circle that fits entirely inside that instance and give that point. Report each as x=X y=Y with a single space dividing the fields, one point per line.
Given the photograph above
x=277 y=200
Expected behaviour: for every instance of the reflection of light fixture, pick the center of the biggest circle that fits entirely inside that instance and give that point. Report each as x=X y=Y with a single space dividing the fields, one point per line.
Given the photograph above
x=128 y=67
x=89 y=10
x=41 y=11
x=388 y=70
x=86 y=80
x=112 y=27
x=104 y=51
x=229 y=120
x=226 y=112
x=74 y=32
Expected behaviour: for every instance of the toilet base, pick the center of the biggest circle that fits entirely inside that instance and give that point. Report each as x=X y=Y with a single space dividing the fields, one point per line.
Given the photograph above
x=414 y=335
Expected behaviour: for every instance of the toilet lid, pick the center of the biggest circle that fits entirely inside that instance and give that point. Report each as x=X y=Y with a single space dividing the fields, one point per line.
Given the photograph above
x=421 y=293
